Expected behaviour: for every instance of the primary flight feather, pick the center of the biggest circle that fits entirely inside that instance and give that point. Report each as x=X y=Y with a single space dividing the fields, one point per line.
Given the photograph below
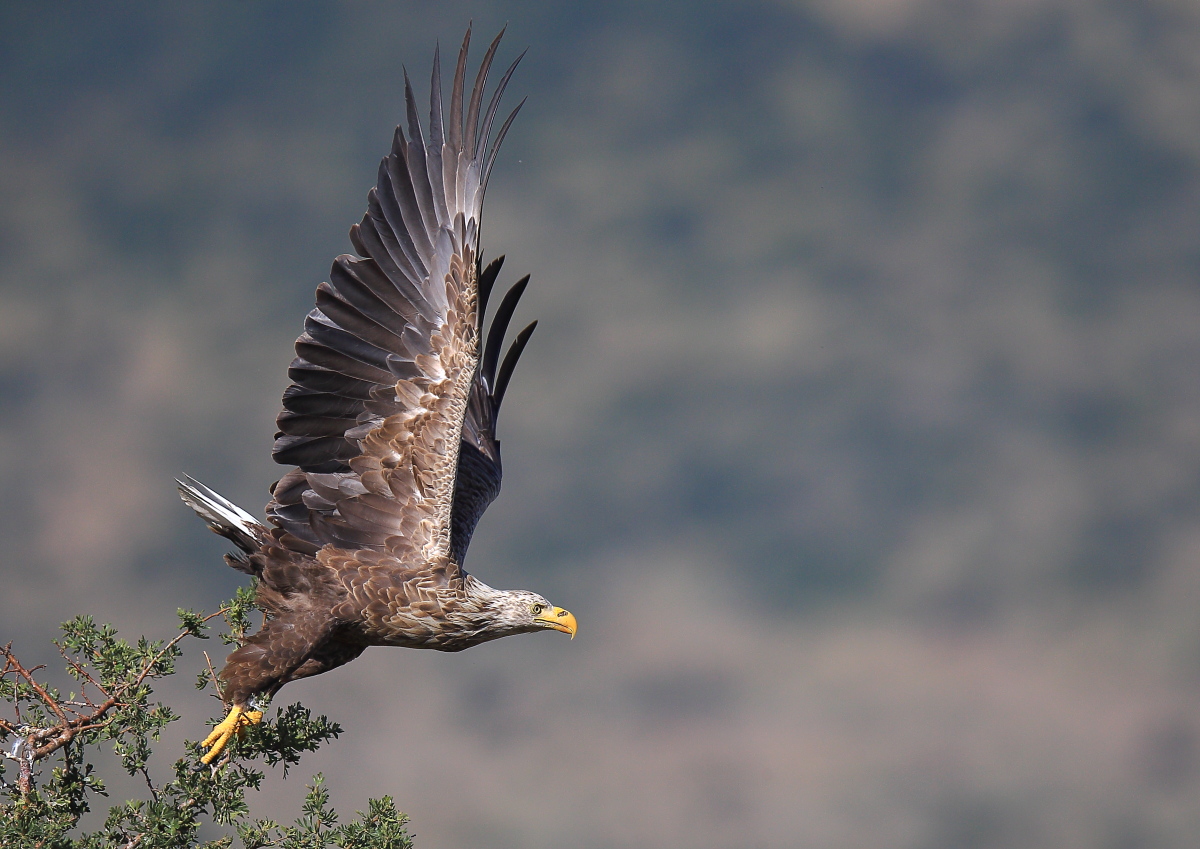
x=390 y=423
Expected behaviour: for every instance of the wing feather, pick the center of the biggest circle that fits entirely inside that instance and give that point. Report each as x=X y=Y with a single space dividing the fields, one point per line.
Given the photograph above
x=491 y=353
x=339 y=361
x=487 y=168
x=510 y=363
x=314 y=378
x=323 y=331
x=390 y=418
x=477 y=95
x=364 y=284
x=299 y=400
x=487 y=280
x=400 y=213
x=370 y=316
x=433 y=151
x=418 y=171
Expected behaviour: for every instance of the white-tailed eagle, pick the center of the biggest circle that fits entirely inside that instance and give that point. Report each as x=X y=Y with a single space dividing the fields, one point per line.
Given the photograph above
x=390 y=425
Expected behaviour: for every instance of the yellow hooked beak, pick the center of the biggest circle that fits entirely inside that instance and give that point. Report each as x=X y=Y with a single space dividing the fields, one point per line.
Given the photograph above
x=559 y=620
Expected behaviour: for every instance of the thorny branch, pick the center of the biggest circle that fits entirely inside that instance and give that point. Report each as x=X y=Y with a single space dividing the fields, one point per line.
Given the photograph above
x=113 y=702
x=86 y=715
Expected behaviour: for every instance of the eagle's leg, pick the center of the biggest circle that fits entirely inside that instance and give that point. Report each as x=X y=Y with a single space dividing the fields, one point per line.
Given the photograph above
x=284 y=646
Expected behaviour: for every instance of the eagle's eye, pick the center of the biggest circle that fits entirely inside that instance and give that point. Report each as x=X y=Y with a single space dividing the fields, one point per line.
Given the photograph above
x=536 y=608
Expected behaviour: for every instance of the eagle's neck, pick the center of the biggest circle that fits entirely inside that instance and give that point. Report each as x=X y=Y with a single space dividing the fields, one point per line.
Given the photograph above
x=477 y=594
x=482 y=613
x=472 y=612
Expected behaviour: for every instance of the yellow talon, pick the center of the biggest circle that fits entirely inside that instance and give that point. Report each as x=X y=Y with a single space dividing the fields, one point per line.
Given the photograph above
x=237 y=720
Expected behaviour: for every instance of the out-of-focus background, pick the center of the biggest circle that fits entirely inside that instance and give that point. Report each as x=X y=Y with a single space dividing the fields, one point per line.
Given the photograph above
x=861 y=429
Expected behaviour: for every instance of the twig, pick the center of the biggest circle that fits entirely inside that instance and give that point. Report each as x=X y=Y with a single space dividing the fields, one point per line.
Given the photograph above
x=213 y=673
x=146 y=775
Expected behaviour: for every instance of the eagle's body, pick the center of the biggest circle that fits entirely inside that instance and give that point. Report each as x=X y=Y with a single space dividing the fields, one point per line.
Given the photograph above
x=390 y=425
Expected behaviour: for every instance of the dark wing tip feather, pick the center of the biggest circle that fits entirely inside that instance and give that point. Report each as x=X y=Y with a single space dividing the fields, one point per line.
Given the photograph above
x=509 y=364
x=487 y=280
x=495 y=338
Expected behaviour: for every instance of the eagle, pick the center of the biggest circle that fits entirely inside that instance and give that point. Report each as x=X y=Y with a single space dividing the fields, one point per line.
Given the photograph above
x=390 y=426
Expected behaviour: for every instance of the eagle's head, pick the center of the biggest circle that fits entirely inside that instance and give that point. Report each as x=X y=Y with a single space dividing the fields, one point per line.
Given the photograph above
x=521 y=611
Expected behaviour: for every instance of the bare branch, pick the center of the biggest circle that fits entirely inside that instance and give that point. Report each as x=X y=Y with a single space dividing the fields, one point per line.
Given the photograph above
x=27 y=674
x=213 y=674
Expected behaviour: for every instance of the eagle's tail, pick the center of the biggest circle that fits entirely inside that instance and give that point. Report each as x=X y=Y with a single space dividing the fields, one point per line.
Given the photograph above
x=223 y=517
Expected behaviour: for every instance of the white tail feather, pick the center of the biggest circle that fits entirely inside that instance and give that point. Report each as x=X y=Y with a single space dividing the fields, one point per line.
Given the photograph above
x=222 y=516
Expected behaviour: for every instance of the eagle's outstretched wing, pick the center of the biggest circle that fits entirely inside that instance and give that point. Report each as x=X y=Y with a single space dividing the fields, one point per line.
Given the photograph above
x=388 y=376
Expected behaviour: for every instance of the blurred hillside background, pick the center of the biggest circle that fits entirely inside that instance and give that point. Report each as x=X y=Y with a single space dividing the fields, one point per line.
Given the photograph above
x=861 y=429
